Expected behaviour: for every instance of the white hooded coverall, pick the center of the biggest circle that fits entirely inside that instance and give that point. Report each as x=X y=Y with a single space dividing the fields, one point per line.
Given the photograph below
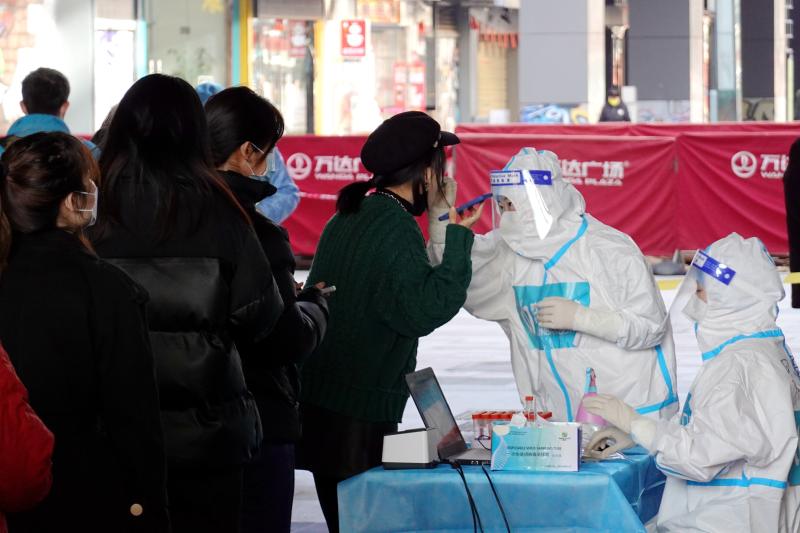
x=586 y=261
x=731 y=456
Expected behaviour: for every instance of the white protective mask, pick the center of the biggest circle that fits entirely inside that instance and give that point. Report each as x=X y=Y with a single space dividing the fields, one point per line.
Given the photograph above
x=270 y=165
x=93 y=209
x=512 y=230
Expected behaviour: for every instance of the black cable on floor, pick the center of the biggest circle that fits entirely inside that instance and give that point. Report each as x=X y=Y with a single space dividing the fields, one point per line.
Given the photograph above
x=496 y=497
x=476 y=517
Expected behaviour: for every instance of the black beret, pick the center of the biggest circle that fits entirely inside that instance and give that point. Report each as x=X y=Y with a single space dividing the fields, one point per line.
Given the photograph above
x=401 y=141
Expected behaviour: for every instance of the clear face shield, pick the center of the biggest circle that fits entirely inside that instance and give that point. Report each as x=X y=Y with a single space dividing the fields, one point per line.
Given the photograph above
x=518 y=203
x=705 y=273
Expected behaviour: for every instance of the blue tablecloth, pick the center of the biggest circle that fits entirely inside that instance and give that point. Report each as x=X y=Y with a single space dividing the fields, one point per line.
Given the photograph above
x=611 y=496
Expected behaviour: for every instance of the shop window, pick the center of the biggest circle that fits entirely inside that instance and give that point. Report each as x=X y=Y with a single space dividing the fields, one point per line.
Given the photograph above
x=17 y=33
x=392 y=72
x=189 y=39
x=492 y=78
x=282 y=69
x=115 y=9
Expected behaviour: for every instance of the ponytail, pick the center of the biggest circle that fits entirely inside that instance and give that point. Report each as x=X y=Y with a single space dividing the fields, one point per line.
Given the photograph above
x=5 y=225
x=350 y=197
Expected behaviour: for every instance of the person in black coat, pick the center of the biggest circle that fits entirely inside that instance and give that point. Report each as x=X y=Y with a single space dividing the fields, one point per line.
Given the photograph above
x=244 y=129
x=615 y=109
x=791 y=193
x=170 y=222
x=75 y=330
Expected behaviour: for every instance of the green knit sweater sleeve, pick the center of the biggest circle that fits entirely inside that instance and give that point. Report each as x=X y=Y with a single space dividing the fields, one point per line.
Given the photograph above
x=422 y=297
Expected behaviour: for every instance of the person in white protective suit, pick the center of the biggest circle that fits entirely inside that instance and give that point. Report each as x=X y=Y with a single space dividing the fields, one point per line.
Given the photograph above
x=731 y=457
x=568 y=291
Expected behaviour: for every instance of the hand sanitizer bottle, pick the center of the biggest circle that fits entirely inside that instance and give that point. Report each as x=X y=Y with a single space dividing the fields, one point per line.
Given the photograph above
x=584 y=416
x=590 y=423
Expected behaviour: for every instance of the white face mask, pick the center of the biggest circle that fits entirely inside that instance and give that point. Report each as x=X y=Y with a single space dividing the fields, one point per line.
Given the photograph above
x=269 y=165
x=512 y=230
x=695 y=309
x=93 y=210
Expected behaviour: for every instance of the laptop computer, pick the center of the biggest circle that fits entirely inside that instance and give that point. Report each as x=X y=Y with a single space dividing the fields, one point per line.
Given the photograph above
x=436 y=414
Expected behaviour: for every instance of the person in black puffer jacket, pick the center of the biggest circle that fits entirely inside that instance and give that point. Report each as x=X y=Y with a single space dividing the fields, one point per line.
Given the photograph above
x=244 y=129
x=169 y=221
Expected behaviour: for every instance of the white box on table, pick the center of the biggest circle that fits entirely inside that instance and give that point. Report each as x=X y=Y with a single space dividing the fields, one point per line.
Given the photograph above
x=544 y=446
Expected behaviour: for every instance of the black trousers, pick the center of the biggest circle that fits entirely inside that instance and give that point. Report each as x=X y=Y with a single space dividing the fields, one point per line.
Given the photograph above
x=269 y=490
x=335 y=447
x=205 y=501
x=328 y=499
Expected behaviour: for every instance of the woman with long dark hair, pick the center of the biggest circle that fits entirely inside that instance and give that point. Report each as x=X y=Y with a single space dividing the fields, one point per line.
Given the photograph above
x=75 y=330
x=244 y=130
x=170 y=222
x=387 y=296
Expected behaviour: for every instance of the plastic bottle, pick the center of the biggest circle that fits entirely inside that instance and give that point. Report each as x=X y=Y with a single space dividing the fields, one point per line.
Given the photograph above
x=590 y=423
x=584 y=416
x=530 y=410
x=480 y=426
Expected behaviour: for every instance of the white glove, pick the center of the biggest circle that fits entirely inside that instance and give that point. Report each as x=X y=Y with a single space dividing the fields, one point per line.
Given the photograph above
x=438 y=205
x=607 y=442
x=614 y=410
x=603 y=324
x=557 y=313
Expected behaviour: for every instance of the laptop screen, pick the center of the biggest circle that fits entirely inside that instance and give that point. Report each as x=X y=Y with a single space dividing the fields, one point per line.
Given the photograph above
x=435 y=412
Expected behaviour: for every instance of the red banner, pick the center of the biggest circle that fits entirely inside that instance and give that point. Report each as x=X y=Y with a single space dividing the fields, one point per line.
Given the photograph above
x=676 y=129
x=320 y=166
x=676 y=191
x=627 y=183
x=603 y=128
x=654 y=129
x=732 y=182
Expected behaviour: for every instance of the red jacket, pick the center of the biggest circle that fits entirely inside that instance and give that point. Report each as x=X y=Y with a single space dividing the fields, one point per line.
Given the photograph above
x=26 y=447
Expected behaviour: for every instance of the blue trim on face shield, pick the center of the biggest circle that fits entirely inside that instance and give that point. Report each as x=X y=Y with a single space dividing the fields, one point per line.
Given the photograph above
x=707 y=264
x=770 y=334
x=560 y=253
x=671 y=396
x=517 y=178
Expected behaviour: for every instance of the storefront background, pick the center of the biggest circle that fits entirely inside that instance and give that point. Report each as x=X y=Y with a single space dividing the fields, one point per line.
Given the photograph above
x=291 y=52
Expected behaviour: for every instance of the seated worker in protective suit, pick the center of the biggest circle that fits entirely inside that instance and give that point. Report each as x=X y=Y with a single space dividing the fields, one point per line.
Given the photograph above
x=731 y=456
x=568 y=291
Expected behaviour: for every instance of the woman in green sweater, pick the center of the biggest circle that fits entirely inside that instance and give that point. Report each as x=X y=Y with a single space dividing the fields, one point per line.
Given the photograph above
x=387 y=296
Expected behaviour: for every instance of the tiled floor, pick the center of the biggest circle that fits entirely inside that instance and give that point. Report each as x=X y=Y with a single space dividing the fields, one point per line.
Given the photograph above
x=471 y=359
